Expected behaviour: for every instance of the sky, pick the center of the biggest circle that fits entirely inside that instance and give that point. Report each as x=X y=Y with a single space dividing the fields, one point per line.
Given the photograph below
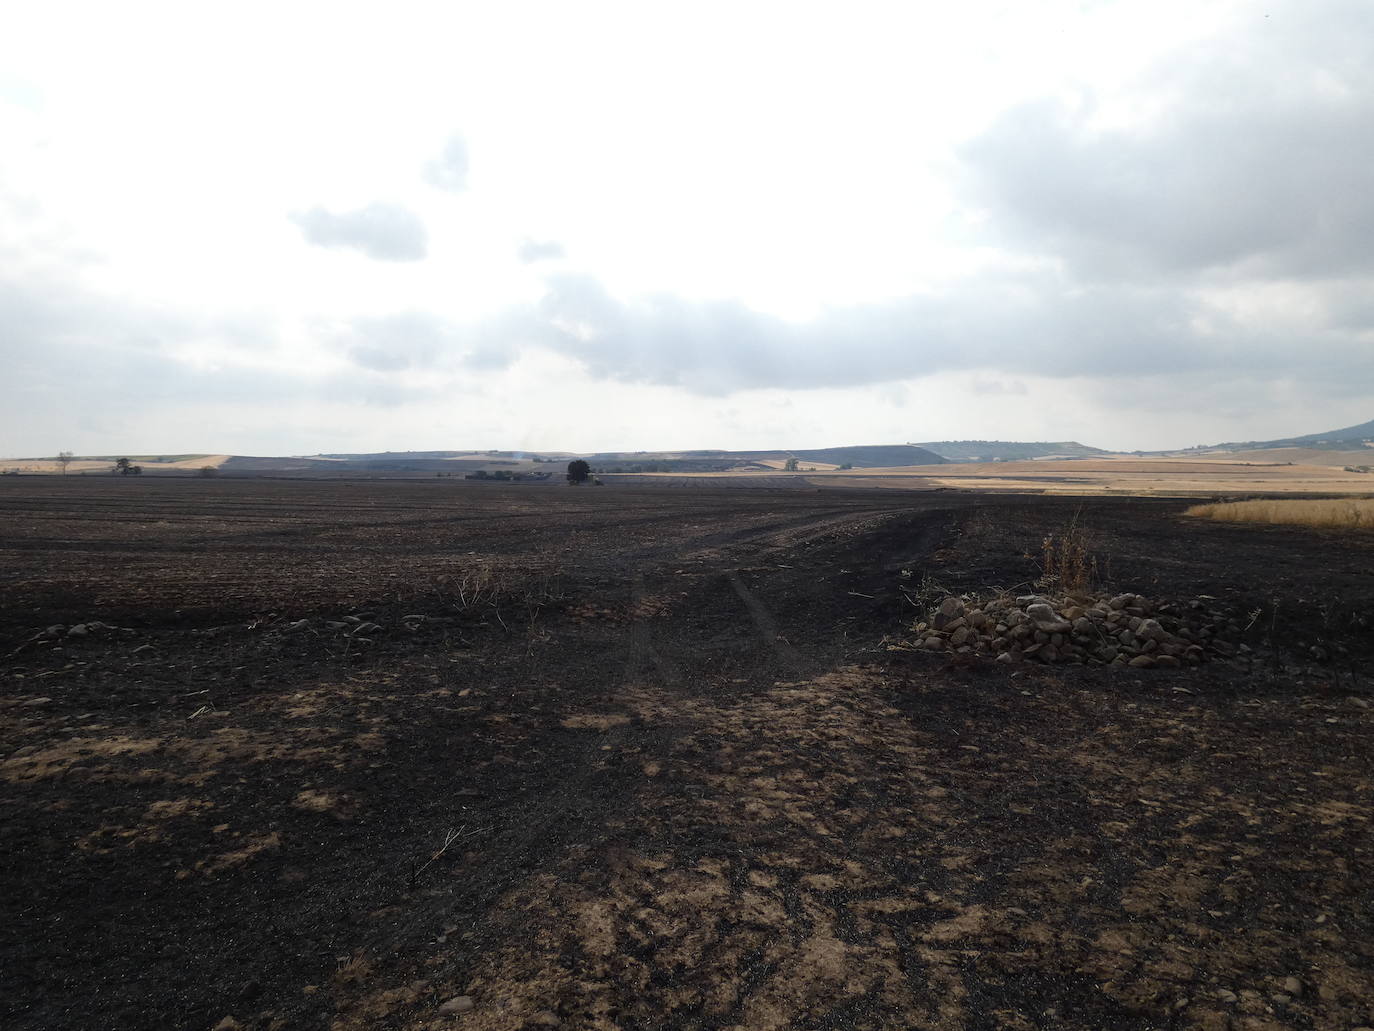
x=300 y=228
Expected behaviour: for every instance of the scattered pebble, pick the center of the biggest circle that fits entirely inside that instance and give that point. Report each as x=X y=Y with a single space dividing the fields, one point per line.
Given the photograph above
x=457 y=1004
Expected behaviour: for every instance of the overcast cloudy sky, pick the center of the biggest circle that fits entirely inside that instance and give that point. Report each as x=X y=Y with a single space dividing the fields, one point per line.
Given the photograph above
x=289 y=228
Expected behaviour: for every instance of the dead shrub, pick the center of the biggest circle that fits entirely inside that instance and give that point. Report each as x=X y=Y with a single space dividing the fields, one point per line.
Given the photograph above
x=1067 y=562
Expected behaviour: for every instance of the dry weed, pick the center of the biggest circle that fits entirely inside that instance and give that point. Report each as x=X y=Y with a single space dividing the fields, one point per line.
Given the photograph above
x=1066 y=560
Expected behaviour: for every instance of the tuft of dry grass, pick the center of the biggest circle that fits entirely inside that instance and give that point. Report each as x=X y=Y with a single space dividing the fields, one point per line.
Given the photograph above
x=1067 y=562
x=1338 y=514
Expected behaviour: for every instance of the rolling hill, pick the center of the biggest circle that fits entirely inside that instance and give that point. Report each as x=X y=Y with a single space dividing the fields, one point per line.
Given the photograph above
x=1009 y=450
x=1348 y=438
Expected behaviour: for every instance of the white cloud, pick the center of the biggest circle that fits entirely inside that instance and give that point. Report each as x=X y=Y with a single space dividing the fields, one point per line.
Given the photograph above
x=383 y=232
x=449 y=171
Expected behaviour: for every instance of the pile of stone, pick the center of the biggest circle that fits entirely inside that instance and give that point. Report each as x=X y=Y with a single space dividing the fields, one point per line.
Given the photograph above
x=1125 y=630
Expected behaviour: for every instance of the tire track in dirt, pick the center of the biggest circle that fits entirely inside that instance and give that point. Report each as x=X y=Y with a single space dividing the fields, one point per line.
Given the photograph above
x=765 y=623
x=641 y=652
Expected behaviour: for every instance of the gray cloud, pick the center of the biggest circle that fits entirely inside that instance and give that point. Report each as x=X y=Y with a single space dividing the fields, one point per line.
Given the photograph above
x=531 y=251
x=1256 y=164
x=383 y=232
x=449 y=171
x=1025 y=325
x=81 y=366
x=393 y=342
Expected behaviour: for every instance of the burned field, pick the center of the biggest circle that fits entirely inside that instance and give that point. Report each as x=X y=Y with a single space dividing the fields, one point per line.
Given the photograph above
x=419 y=755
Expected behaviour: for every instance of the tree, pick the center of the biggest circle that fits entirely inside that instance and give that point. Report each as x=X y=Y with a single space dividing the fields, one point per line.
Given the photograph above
x=790 y=465
x=64 y=459
x=578 y=471
x=126 y=468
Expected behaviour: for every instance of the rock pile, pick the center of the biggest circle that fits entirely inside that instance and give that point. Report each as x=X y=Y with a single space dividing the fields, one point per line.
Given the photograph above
x=1125 y=630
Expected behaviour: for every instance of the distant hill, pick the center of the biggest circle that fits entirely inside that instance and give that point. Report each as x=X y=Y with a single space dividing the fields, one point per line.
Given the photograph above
x=862 y=456
x=1330 y=440
x=872 y=456
x=1009 y=450
x=447 y=463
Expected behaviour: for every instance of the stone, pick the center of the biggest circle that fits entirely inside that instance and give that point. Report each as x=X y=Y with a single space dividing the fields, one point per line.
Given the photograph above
x=1004 y=657
x=935 y=644
x=228 y=1024
x=142 y=649
x=1045 y=618
x=976 y=619
x=1121 y=601
x=1143 y=662
x=1168 y=661
x=1049 y=653
x=457 y=1004
x=1057 y=640
x=1292 y=986
x=960 y=637
x=1225 y=995
x=78 y=631
x=1082 y=625
x=1150 y=629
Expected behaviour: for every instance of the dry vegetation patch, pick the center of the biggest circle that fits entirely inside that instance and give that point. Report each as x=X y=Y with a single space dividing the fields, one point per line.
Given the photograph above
x=1337 y=513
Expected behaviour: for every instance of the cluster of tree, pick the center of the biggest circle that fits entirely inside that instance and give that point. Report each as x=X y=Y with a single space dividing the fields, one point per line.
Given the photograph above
x=124 y=467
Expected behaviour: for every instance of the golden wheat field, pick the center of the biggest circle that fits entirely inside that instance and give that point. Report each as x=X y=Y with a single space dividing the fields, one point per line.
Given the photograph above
x=1341 y=513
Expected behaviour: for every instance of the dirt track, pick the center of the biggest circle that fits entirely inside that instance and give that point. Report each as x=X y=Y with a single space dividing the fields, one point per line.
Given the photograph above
x=686 y=784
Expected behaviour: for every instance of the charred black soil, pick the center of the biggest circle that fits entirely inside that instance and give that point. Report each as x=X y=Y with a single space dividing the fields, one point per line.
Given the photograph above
x=328 y=755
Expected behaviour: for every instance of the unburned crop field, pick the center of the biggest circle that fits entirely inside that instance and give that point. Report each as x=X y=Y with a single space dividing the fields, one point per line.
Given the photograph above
x=280 y=754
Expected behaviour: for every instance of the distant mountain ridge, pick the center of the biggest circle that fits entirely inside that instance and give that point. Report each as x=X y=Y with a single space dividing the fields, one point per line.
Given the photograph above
x=1330 y=440
x=1009 y=450
x=1327 y=440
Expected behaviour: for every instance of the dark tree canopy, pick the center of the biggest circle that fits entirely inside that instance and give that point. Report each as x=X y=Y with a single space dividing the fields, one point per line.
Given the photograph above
x=578 y=471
